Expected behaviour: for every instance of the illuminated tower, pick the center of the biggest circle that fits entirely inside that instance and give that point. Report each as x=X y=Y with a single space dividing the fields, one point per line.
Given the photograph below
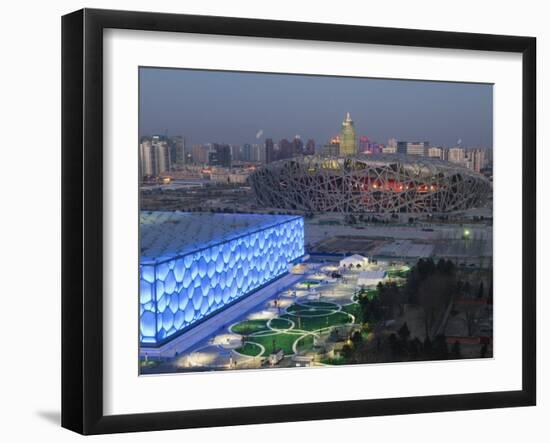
x=348 y=140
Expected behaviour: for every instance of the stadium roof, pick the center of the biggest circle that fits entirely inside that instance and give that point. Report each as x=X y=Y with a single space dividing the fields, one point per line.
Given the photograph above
x=369 y=183
x=417 y=163
x=165 y=235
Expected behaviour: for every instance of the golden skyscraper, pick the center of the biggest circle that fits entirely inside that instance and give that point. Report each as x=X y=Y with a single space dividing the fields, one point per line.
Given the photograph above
x=348 y=139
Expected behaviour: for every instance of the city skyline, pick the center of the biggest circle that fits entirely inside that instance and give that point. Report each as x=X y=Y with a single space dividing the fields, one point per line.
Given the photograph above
x=233 y=107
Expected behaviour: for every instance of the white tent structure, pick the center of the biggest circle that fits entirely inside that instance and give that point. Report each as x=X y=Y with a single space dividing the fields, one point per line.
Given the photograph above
x=371 y=278
x=354 y=260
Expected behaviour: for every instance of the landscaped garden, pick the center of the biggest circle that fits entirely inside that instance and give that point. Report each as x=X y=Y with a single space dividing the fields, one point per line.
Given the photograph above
x=294 y=330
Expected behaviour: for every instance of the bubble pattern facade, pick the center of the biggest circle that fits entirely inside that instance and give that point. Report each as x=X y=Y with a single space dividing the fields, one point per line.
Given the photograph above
x=178 y=292
x=371 y=184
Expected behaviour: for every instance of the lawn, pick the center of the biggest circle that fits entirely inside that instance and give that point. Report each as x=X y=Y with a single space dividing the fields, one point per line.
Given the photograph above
x=320 y=304
x=275 y=341
x=355 y=310
x=248 y=327
x=315 y=323
x=309 y=316
x=370 y=293
x=250 y=349
x=305 y=344
x=337 y=361
x=148 y=363
x=280 y=323
x=398 y=273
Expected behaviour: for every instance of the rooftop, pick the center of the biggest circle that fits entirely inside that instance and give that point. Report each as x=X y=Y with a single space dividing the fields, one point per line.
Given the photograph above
x=165 y=235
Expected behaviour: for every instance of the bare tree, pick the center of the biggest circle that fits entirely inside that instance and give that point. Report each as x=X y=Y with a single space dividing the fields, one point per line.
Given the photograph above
x=434 y=294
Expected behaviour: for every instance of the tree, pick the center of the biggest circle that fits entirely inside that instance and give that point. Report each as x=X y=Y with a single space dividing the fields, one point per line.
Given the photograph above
x=455 y=351
x=433 y=294
x=480 y=290
x=467 y=289
x=395 y=346
x=440 y=351
x=470 y=312
x=415 y=348
x=347 y=352
x=427 y=347
x=404 y=333
x=371 y=309
x=483 y=351
x=356 y=338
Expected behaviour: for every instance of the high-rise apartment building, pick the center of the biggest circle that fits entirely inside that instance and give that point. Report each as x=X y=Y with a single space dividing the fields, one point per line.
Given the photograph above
x=154 y=156
x=477 y=159
x=456 y=155
x=258 y=153
x=435 y=152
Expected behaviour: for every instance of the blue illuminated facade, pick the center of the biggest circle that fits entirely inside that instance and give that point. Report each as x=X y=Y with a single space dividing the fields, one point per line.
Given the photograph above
x=181 y=287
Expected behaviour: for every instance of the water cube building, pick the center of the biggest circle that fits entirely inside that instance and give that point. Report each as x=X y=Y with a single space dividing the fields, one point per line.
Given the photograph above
x=192 y=265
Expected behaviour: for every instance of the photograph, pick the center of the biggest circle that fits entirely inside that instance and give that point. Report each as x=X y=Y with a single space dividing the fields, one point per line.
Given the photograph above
x=297 y=221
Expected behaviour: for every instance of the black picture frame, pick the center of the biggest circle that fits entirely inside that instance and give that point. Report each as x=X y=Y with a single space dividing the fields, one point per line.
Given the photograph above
x=82 y=215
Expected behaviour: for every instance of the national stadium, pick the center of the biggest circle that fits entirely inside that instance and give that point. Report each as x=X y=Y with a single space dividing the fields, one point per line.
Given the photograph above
x=381 y=183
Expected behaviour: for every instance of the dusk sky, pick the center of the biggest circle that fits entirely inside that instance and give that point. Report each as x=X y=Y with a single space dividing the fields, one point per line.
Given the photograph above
x=231 y=107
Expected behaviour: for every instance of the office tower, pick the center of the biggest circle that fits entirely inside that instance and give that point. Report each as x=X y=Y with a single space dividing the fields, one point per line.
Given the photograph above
x=297 y=146
x=270 y=153
x=220 y=155
x=330 y=150
x=391 y=147
x=364 y=144
x=412 y=148
x=177 y=150
x=375 y=148
x=310 y=147
x=348 y=140
x=285 y=149
x=246 y=152
x=200 y=154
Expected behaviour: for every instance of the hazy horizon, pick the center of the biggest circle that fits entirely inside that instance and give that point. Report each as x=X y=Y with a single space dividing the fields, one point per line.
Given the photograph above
x=232 y=107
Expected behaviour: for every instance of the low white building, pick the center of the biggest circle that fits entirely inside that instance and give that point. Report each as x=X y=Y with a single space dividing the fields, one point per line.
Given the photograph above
x=371 y=278
x=354 y=260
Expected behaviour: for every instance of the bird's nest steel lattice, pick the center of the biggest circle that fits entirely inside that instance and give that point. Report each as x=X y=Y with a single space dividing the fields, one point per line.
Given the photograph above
x=369 y=183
